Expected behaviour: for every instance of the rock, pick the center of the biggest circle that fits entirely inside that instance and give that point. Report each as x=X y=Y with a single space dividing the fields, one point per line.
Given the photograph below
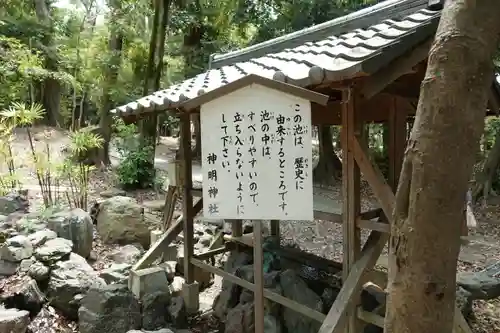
x=116 y=273
x=177 y=312
x=109 y=309
x=163 y=330
x=230 y=293
x=328 y=297
x=240 y=319
x=154 y=205
x=297 y=290
x=8 y=268
x=3 y=218
x=54 y=250
x=24 y=294
x=39 y=272
x=69 y=279
x=12 y=202
x=481 y=285
x=16 y=249
x=155 y=310
x=76 y=226
x=171 y=268
x=112 y=192
x=29 y=224
x=25 y=265
x=121 y=221
x=205 y=240
x=175 y=286
x=463 y=302
x=14 y=320
x=128 y=254
x=39 y=238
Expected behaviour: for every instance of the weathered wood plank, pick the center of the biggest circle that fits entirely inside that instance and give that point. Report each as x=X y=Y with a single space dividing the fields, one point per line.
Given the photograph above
x=352 y=286
x=375 y=178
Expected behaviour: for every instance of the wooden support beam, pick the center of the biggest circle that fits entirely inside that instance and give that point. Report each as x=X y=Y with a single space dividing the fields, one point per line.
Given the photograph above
x=401 y=66
x=371 y=214
x=327 y=216
x=375 y=178
x=187 y=198
x=352 y=286
x=351 y=126
x=164 y=241
x=372 y=225
x=297 y=307
x=210 y=253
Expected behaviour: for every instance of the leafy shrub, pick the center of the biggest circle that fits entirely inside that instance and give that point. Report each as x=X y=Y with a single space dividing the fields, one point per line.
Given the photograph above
x=135 y=169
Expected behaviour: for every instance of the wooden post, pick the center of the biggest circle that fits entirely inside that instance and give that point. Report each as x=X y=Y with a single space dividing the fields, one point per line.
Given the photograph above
x=258 y=267
x=275 y=228
x=351 y=197
x=187 y=199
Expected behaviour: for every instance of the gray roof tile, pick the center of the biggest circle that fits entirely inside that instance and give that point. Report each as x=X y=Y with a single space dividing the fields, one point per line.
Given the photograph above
x=331 y=58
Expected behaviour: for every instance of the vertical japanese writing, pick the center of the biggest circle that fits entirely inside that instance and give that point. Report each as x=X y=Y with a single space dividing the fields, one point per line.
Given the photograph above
x=300 y=162
x=281 y=132
x=265 y=118
x=226 y=142
x=252 y=161
x=213 y=189
x=238 y=145
x=257 y=156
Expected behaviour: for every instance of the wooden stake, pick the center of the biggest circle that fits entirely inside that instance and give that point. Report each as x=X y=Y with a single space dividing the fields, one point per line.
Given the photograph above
x=258 y=277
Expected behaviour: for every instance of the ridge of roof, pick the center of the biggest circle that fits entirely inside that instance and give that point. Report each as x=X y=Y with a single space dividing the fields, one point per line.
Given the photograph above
x=389 y=9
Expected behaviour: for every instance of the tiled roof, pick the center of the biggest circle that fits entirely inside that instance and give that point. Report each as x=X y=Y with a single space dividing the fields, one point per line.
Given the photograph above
x=364 y=49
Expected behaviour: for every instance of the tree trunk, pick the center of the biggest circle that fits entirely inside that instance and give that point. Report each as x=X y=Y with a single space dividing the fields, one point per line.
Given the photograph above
x=430 y=199
x=329 y=166
x=51 y=88
x=149 y=125
x=484 y=179
x=111 y=78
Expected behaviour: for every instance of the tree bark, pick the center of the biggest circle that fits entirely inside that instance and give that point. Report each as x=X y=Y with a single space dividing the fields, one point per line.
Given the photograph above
x=329 y=166
x=430 y=200
x=51 y=88
x=115 y=46
x=484 y=179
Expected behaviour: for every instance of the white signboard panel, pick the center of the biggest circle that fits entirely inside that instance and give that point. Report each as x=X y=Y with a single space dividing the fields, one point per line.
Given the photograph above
x=256 y=151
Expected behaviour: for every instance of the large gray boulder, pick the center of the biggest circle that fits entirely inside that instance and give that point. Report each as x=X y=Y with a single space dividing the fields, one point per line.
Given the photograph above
x=109 y=309
x=14 y=320
x=16 y=249
x=296 y=289
x=54 y=250
x=121 y=221
x=69 y=281
x=12 y=203
x=76 y=226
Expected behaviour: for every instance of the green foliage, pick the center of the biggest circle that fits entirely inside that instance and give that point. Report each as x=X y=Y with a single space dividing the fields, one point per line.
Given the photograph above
x=135 y=169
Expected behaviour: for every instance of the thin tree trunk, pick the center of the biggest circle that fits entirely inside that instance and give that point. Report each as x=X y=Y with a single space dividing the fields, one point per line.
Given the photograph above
x=111 y=78
x=329 y=166
x=484 y=179
x=430 y=199
x=51 y=88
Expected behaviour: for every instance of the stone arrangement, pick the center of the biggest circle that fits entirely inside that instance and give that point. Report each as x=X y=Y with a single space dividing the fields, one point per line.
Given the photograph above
x=49 y=263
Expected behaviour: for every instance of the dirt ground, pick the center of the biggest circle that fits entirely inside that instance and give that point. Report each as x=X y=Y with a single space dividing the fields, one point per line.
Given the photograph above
x=319 y=237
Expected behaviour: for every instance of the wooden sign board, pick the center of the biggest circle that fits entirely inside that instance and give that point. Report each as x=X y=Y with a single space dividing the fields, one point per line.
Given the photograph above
x=257 y=156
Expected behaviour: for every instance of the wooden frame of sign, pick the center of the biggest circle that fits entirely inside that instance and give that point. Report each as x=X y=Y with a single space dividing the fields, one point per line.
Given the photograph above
x=387 y=95
x=257 y=159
